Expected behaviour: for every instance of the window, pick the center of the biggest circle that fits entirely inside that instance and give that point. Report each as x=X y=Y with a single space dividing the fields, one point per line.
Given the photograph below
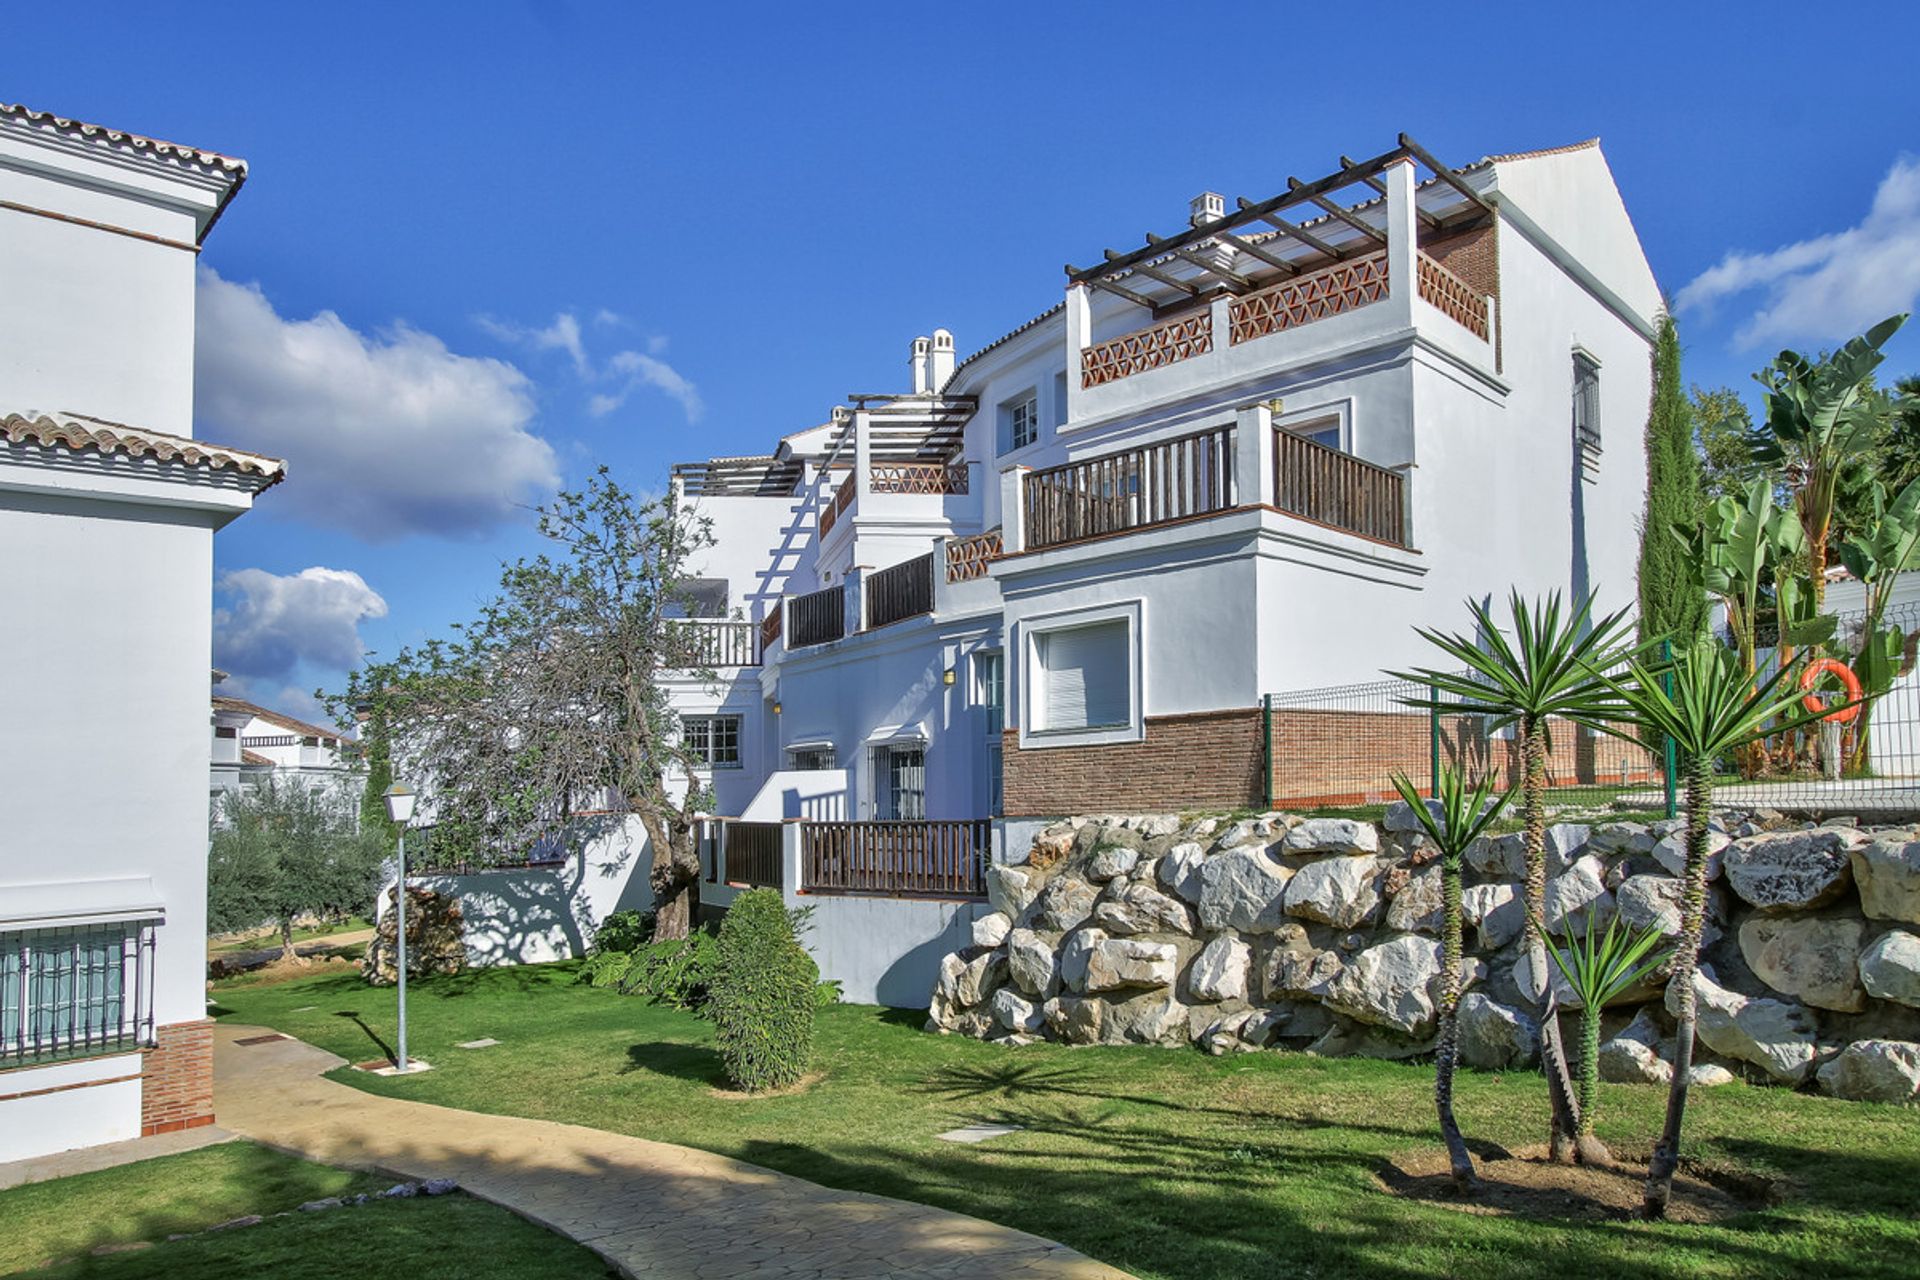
x=1084 y=678
x=996 y=783
x=1586 y=401
x=990 y=688
x=73 y=991
x=713 y=740
x=1060 y=399
x=811 y=758
x=1019 y=423
x=1326 y=432
x=900 y=783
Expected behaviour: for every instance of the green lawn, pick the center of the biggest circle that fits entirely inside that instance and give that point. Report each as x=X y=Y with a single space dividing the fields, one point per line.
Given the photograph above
x=66 y=1218
x=1164 y=1162
x=264 y=938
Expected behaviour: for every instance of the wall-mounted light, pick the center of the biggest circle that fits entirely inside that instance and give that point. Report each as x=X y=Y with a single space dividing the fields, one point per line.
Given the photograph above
x=947 y=677
x=776 y=708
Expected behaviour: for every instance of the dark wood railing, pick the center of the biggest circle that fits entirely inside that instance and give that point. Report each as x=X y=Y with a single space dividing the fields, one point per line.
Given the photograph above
x=897 y=859
x=1338 y=489
x=751 y=852
x=1136 y=489
x=900 y=591
x=836 y=505
x=770 y=625
x=817 y=617
x=715 y=642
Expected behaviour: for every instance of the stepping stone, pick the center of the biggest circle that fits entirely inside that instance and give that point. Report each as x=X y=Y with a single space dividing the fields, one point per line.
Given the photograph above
x=487 y=1043
x=382 y=1067
x=305 y=1008
x=269 y=1038
x=978 y=1132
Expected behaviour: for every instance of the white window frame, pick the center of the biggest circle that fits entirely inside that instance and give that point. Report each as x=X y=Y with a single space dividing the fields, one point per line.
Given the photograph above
x=1029 y=401
x=711 y=719
x=1319 y=418
x=1032 y=630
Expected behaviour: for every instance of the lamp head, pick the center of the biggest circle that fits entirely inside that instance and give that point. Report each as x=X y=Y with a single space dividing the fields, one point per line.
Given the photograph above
x=400 y=800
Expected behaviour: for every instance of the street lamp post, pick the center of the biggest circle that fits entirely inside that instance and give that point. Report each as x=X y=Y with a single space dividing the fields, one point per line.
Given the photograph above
x=400 y=799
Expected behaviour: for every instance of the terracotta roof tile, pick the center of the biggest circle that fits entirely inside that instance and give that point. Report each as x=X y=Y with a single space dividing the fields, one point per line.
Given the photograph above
x=121 y=138
x=302 y=727
x=254 y=757
x=72 y=431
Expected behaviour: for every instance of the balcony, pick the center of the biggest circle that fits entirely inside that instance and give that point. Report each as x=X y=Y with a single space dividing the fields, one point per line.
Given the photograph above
x=1154 y=347
x=935 y=478
x=968 y=558
x=1345 y=286
x=817 y=617
x=903 y=591
x=1338 y=490
x=1155 y=484
x=694 y=643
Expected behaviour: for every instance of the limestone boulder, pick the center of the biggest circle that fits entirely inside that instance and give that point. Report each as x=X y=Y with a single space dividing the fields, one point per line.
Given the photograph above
x=1402 y=819
x=1141 y=908
x=1503 y=857
x=1179 y=870
x=1771 y=1034
x=1157 y=825
x=1332 y=835
x=1065 y=904
x=1650 y=902
x=1011 y=890
x=1888 y=873
x=1219 y=972
x=1890 y=968
x=1623 y=839
x=1814 y=958
x=991 y=929
x=1347 y=1038
x=1670 y=851
x=1495 y=911
x=1417 y=907
x=1073 y=1019
x=1144 y=1019
x=1388 y=985
x=1116 y=963
x=969 y=977
x=1341 y=891
x=1565 y=844
x=1110 y=860
x=1494 y=1036
x=1243 y=889
x=1031 y=964
x=1296 y=969
x=1636 y=1056
x=1708 y=1075
x=1578 y=900
x=1791 y=871
x=1051 y=846
x=1015 y=1012
x=1874 y=1071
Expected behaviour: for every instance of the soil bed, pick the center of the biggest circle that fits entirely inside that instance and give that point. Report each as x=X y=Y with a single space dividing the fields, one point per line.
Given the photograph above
x=1524 y=1183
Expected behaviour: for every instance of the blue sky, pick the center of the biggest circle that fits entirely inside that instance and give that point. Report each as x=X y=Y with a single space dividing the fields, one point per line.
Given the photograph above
x=485 y=248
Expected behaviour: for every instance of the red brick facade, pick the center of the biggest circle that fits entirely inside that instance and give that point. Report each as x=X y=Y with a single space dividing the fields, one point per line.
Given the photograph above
x=1207 y=760
x=177 y=1091
x=1474 y=256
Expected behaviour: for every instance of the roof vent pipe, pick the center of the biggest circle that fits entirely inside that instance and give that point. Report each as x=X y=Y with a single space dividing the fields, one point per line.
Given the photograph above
x=940 y=365
x=920 y=366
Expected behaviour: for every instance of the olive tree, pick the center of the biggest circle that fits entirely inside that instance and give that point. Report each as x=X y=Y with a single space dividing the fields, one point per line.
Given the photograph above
x=281 y=852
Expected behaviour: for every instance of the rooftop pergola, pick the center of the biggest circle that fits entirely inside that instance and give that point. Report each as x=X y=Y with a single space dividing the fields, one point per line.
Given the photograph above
x=900 y=429
x=1253 y=245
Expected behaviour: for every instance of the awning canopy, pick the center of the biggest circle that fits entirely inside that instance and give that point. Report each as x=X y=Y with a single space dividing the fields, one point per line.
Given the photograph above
x=904 y=735
x=79 y=903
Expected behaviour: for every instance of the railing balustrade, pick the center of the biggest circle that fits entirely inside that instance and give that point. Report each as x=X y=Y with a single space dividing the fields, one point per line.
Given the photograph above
x=968 y=558
x=1453 y=296
x=918 y=477
x=751 y=853
x=817 y=617
x=770 y=626
x=941 y=859
x=900 y=591
x=1134 y=489
x=711 y=642
x=1338 y=489
x=1149 y=348
x=1344 y=286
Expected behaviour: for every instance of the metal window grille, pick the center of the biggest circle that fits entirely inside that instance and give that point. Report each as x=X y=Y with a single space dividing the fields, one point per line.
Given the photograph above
x=73 y=991
x=715 y=740
x=1586 y=402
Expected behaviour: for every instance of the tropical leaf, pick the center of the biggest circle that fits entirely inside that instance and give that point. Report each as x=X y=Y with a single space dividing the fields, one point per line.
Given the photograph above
x=1603 y=967
x=1465 y=813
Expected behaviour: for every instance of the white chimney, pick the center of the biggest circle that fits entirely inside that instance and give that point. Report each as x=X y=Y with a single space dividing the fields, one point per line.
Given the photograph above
x=1208 y=206
x=919 y=364
x=941 y=364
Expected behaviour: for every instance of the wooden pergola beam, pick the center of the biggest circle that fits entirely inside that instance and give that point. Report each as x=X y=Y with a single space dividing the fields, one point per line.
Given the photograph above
x=1301 y=234
x=1341 y=212
x=1445 y=174
x=1154 y=273
x=1380 y=188
x=1121 y=291
x=1233 y=278
x=1253 y=250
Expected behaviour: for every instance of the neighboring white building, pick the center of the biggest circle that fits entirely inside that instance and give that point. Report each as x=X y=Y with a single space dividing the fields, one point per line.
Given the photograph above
x=252 y=743
x=107 y=513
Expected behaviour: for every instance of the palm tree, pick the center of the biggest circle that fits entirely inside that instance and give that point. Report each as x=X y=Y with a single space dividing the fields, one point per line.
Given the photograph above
x=1463 y=816
x=1545 y=671
x=1600 y=968
x=1704 y=702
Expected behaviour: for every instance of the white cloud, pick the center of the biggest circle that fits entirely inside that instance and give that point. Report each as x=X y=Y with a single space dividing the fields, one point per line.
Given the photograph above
x=1831 y=286
x=384 y=435
x=623 y=373
x=272 y=624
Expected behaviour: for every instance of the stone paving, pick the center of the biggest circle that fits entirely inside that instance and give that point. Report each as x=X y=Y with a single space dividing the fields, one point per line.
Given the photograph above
x=654 y=1210
x=109 y=1155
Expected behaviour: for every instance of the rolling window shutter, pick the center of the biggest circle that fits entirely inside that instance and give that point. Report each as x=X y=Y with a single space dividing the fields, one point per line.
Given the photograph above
x=1086 y=676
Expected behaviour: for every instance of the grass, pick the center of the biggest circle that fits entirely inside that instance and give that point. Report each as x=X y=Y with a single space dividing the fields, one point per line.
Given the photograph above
x=66 y=1218
x=1164 y=1162
x=263 y=939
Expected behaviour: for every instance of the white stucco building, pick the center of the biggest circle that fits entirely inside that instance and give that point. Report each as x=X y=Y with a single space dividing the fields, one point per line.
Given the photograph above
x=252 y=743
x=108 y=508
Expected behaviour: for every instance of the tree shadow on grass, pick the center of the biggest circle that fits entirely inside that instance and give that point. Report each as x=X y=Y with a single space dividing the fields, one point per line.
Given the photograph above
x=698 y=1063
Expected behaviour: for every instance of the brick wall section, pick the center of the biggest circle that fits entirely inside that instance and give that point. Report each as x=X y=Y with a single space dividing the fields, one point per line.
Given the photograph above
x=1474 y=256
x=177 y=1092
x=1205 y=760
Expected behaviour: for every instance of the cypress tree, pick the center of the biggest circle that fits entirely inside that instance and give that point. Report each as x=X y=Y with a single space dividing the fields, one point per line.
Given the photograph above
x=1672 y=599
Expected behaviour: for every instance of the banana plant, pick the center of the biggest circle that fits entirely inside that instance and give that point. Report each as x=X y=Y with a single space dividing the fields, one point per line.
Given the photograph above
x=1600 y=968
x=1464 y=814
x=1888 y=547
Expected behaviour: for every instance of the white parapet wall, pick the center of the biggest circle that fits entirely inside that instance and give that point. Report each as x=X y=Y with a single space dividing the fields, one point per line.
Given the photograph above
x=69 y=1104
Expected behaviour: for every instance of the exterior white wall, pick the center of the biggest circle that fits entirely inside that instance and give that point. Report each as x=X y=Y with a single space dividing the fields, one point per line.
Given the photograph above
x=86 y=1103
x=885 y=950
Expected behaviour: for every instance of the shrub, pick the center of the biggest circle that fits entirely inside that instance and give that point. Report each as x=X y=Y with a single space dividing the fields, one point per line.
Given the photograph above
x=623 y=931
x=677 y=973
x=606 y=968
x=762 y=998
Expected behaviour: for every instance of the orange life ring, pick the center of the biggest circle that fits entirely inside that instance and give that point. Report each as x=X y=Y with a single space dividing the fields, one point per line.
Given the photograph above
x=1822 y=666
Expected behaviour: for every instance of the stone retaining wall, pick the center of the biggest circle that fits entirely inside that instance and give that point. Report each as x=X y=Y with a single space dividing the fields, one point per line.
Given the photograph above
x=1323 y=934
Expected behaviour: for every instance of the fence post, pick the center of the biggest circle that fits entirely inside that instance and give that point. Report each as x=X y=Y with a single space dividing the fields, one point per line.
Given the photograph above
x=1266 y=748
x=1433 y=739
x=792 y=873
x=1666 y=683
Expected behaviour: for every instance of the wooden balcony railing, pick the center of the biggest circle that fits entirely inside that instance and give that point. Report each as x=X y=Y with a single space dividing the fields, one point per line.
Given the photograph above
x=1136 y=489
x=1338 y=489
x=1453 y=296
x=770 y=626
x=897 y=859
x=1151 y=348
x=817 y=617
x=751 y=853
x=841 y=500
x=918 y=477
x=900 y=591
x=968 y=558
x=711 y=642
x=1344 y=286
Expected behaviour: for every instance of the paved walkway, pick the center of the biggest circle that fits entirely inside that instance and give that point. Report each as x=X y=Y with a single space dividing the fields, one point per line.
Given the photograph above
x=657 y=1211
x=109 y=1155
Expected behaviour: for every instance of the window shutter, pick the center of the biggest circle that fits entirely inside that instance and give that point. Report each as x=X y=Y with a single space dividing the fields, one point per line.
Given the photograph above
x=1086 y=682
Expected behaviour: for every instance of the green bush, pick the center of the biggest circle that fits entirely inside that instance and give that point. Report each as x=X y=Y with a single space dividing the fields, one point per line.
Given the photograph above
x=623 y=931
x=762 y=998
x=676 y=973
x=606 y=968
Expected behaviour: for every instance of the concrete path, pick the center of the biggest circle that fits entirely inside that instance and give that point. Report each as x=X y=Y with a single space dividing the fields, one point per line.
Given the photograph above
x=654 y=1210
x=109 y=1155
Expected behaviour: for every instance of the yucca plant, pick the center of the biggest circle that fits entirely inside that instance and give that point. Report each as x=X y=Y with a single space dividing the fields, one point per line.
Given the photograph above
x=1600 y=968
x=1464 y=815
x=1546 y=669
x=1707 y=705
